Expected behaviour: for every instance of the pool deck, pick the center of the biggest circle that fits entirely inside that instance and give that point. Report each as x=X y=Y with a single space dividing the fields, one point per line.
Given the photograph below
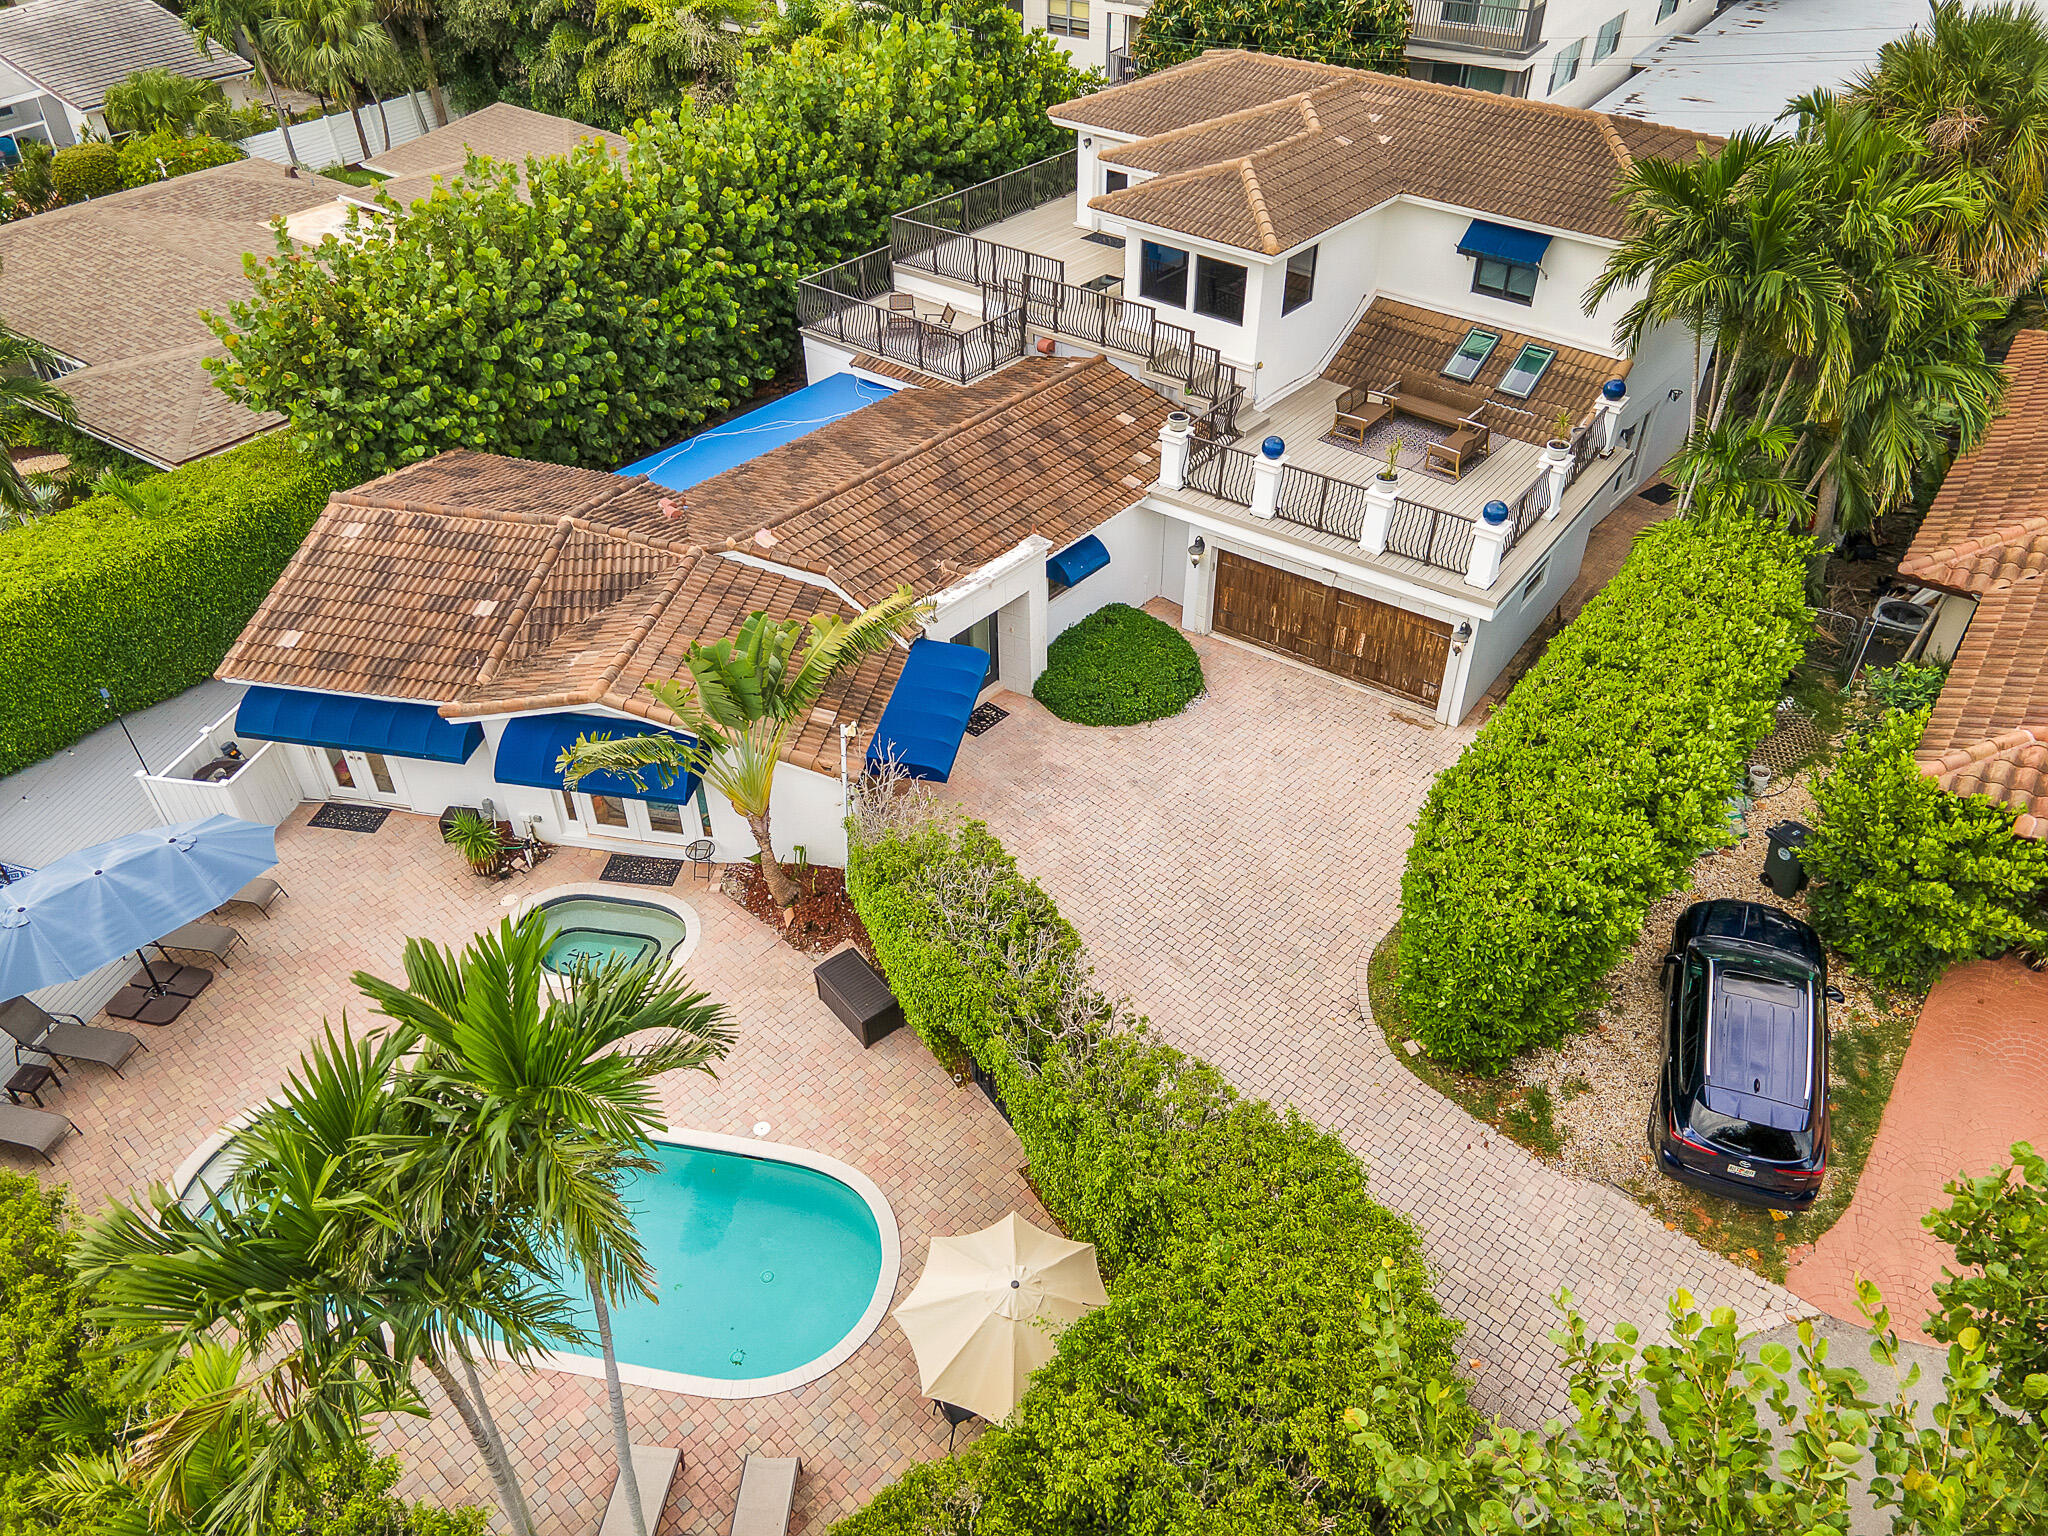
x=942 y=1156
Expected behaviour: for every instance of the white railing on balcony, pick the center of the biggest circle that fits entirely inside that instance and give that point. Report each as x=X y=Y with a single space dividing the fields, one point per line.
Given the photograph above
x=1493 y=26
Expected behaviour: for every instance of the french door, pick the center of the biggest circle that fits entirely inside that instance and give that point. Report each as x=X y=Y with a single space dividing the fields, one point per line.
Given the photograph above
x=363 y=776
x=653 y=821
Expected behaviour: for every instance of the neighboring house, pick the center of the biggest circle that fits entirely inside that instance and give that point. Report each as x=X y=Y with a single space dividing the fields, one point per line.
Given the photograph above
x=446 y=630
x=1741 y=68
x=57 y=58
x=1568 y=51
x=1319 y=266
x=1984 y=547
x=115 y=285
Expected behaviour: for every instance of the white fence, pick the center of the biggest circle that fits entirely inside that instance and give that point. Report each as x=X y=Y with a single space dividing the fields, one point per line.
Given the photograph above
x=264 y=789
x=332 y=140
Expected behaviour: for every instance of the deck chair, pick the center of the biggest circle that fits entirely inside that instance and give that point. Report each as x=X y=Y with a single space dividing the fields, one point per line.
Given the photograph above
x=654 y=1469
x=35 y=1030
x=214 y=939
x=767 y=1496
x=902 y=311
x=33 y=1130
x=259 y=893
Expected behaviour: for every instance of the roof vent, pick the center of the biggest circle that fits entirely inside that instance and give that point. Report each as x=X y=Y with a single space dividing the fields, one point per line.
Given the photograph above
x=1385 y=138
x=486 y=608
x=670 y=508
x=352 y=531
x=1344 y=140
x=289 y=638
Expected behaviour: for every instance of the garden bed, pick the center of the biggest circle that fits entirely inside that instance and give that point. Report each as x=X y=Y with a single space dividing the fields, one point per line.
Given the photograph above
x=824 y=915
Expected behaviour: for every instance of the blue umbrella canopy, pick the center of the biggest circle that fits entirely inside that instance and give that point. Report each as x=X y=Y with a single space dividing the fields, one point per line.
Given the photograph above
x=71 y=917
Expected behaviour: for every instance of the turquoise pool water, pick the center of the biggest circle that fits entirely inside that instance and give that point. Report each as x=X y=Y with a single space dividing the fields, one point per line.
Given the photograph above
x=761 y=1266
x=593 y=930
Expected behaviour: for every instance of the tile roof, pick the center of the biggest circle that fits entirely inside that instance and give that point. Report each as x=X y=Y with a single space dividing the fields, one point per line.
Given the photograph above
x=1268 y=176
x=1223 y=80
x=117 y=283
x=502 y=131
x=1393 y=340
x=75 y=49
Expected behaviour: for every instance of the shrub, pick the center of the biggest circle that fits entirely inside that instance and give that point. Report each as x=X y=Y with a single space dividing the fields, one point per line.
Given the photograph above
x=1118 y=666
x=1911 y=876
x=142 y=604
x=85 y=170
x=1998 y=1225
x=160 y=155
x=1209 y=1394
x=1592 y=790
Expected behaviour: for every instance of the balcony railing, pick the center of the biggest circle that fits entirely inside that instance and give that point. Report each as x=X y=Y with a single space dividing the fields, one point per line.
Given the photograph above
x=1122 y=67
x=964 y=258
x=1132 y=327
x=1001 y=197
x=1492 y=26
x=829 y=307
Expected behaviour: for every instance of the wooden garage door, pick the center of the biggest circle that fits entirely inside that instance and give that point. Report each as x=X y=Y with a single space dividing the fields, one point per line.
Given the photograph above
x=1338 y=631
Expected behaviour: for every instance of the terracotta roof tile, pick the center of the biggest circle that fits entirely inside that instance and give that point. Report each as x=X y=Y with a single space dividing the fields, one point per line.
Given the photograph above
x=1220 y=81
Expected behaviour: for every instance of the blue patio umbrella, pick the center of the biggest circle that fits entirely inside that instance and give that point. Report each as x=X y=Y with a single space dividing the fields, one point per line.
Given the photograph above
x=71 y=917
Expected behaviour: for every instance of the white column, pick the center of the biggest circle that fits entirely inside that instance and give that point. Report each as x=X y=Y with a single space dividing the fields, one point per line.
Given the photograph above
x=1557 y=465
x=1613 y=401
x=1266 y=471
x=1174 y=435
x=1380 y=496
x=1490 y=537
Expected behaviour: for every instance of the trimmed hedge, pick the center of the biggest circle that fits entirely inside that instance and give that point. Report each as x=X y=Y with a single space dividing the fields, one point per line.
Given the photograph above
x=1209 y=1395
x=1118 y=666
x=143 y=605
x=86 y=170
x=1592 y=790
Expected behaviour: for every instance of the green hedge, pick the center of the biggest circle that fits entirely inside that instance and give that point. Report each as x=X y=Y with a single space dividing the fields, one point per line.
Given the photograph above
x=152 y=157
x=86 y=170
x=1209 y=1395
x=1591 y=791
x=1118 y=666
x=143 y=605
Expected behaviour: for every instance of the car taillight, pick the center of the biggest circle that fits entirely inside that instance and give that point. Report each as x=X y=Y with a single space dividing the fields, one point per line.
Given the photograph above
x=1679 y=1136
x=1802 y=1175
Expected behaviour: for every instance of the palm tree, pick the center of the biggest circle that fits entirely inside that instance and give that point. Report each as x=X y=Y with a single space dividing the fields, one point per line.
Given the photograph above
x=153 y=99
x=25 y=394
x=415 y=14
x=741 y=700
x=335 y=47
x=540 y=1105
x=237 y=25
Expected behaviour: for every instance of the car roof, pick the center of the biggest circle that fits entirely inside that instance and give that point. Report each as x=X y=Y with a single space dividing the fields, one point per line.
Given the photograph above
x=1758 y=1047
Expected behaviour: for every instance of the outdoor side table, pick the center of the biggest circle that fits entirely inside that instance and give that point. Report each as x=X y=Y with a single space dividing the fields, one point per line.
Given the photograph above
x=31 y=1079
x=852 y=989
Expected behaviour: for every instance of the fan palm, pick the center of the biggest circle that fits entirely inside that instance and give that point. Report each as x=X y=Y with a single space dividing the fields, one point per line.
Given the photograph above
x=335 y=47
x=742 y=698
x=153 y=99
x=24 y=395
x=541 y=1104
x=237 y=25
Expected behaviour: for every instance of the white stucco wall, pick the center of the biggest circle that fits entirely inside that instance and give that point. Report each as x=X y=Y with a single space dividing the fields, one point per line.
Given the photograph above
x=1132 y=575
x=1296 y=347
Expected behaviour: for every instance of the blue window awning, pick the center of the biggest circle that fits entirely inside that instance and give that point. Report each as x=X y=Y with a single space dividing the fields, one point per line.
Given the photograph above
x=1503 y=242
x=1077 y=562
x=348 y=722
x=927 y=713
x=533 y=744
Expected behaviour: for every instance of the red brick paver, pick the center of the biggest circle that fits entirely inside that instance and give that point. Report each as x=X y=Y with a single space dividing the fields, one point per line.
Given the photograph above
x=1974 y=1081
x=942 y=1156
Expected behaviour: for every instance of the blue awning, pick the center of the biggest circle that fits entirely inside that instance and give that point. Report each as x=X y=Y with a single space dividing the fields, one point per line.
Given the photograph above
x=1077 y=562
x=927 y=713
x=533 y=744
x=1523 y=247
x=347 y=722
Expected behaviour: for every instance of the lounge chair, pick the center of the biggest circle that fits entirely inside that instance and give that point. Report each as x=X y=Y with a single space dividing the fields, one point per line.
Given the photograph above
x=1357 y=416
x=767 y=1495
x=654 y=1469
x=214 y=939
x=33 y=1130
x=35 y=1030
x=259 y=893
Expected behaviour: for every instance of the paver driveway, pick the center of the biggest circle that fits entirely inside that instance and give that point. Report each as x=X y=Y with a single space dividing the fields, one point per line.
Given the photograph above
x=1231 y=870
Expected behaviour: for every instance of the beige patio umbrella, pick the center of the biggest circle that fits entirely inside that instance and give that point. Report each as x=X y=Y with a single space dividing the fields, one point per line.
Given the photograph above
x=988 y=1310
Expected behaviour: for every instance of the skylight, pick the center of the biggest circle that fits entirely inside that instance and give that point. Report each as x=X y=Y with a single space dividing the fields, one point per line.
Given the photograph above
x=1530 y=364
x=1471 y=355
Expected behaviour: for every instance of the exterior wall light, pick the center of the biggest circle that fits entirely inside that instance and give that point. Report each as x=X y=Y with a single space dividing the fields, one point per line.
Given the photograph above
x=1196 y=550
x=1461 y=637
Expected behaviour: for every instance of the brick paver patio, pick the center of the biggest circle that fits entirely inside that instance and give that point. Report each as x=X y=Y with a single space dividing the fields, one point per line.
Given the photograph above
x=942 y=1156
x=1231 y=869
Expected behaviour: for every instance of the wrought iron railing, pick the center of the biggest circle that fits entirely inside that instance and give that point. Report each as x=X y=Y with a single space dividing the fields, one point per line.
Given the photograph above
x=961 y=356
x=867 y=276
x=1131 y=326
x=1530 y=507
x=1497 y=26
x=1122 y=67
x=966 y=258
x=1431 y=535
x=1000 y=197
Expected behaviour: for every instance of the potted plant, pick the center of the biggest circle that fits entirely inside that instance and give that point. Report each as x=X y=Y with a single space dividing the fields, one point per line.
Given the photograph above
x=477 y=840
x=1392 y=471
x=1562 y=430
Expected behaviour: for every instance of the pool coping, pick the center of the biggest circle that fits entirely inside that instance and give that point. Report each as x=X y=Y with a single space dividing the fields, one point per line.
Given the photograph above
x=645 y=895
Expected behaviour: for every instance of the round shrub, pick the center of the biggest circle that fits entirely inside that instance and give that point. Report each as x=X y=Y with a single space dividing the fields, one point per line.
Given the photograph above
x=156 y=156
x=85 y=170
x=1119 y=666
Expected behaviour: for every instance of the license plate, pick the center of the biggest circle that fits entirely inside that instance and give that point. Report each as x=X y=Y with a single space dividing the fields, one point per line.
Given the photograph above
x=1742 y=1170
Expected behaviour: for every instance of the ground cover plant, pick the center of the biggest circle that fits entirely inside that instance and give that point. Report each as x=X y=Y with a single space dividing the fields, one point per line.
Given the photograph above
x=1118 y=666
x=142 y=600
x=1593 y=788
x=1207 y=1396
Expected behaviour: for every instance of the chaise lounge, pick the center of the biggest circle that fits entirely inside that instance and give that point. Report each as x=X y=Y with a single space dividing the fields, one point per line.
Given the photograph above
x=767 y=1495
x=33 y=1130
x=35 y=1030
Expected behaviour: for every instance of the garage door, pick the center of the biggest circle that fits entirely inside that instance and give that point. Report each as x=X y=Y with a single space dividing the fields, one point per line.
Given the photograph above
x=1340 y=632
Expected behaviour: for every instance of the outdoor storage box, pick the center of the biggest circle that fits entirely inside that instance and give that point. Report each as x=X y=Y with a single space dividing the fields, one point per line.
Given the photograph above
x=852 y=989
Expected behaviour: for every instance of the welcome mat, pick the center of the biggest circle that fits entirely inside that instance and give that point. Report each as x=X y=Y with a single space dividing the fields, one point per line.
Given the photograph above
x=349 y=818
x=986 y=717
x=634 y=869
x=1658 y=495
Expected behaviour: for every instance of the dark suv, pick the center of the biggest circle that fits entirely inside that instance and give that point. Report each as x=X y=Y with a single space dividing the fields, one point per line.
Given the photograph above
x=1742 y=1104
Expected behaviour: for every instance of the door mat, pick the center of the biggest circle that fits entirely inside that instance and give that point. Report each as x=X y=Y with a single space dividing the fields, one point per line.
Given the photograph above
x=349 y=818
x=1660 y=495
x=1097 y=237
x=986 y=717
x=633 y=869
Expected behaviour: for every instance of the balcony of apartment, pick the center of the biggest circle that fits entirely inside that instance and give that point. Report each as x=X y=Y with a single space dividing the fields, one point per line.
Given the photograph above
x=1484 y=26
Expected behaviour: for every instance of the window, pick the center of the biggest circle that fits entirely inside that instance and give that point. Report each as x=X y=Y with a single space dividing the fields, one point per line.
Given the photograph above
x=665 y=818
x=1508 y=280
x=1301 y=281
x=608 y=811
x=1665 y=8
x=1609 y=38
x=1163 y=274
x=568 y=807
x=1219 y=289
x=1471 y=356
x=1478 y=77
x=1564 y=69
x=1530 y=362
x=1535 y=582
x=1116 y=181
x=1069 y=18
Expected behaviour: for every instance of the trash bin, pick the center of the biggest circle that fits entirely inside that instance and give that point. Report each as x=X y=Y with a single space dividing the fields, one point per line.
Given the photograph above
x=1784 y=869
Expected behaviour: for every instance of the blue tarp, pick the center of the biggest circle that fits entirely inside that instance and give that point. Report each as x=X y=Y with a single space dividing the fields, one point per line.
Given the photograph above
x=533 y=744
x=345 y=720
x=1523 y=247
x=1077 y=562
x=927 y=713
x=719 y=448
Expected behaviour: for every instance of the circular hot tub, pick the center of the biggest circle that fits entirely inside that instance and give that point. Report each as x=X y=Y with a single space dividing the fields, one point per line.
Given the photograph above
x=591 y=924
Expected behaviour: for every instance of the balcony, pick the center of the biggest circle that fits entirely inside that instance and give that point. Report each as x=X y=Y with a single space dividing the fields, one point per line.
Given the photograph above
x=1482 y=26
x=1122 y=67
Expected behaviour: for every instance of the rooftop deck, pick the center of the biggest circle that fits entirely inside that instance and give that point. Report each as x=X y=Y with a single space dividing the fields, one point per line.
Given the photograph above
x=1050 y=231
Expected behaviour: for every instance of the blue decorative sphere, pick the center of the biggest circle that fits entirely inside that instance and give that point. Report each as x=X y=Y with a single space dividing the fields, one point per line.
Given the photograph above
x=1496 y=512
x=1614 y=389
x=1272 y=447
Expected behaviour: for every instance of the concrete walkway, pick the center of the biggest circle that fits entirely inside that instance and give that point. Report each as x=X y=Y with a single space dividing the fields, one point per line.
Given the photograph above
x=1232 y=870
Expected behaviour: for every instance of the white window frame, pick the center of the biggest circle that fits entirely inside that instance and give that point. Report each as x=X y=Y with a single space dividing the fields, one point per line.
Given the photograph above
x=1062 y=22
x=1666 y=9
x=581 y=818
x=1564 y=69
x=1608 y=39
